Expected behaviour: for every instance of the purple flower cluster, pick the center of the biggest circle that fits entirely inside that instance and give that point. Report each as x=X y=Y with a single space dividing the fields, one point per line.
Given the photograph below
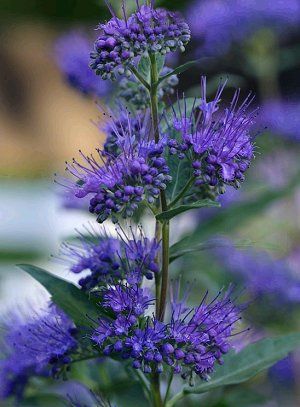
x=225 y=22
x=147 y=30
x=72 y=52
x=265 y=276
x=117 y=185
x=137 y=95
x=192 y=342
x=40 y=345
x=218 y=143
x=282 y=118
x=111 y=260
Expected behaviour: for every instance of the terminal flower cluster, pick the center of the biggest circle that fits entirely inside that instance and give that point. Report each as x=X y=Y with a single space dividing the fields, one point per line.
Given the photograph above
x=147 y=30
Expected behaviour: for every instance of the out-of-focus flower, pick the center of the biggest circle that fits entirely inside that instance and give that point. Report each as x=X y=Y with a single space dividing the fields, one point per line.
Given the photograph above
x=39 y=344
x=278 y=168
x=218 y=143
x=72 y=53
x=192 y=342
x=282 y=118
x=147 y=30
x=264 y=276
x=283 y=373
x=111 y=260
x=69 y=201
x=218 y=24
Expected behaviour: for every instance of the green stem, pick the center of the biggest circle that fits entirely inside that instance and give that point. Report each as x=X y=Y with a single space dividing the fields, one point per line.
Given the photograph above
x=164 y=270
x=87 y=357
x=155 y=387
x=182 y=192
x=168 y=388
x=153 y=96
x=140 y=77
x=157 y=275
x=144 y=383
x=161 y=281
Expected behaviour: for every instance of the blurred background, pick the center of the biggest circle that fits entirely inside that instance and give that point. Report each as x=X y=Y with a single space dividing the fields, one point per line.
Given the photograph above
x=255 y=237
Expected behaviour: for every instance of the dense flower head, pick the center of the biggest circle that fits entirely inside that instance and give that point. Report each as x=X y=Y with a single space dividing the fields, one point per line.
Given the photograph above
x=136 y=94
x=112 y=259
x=40 y=344
x=192 y=342
x=72 y=51
x=225 y=22
x=282 y=118
x=217 y=142
x=147 y=30
x=265 y=276
x=117 y=185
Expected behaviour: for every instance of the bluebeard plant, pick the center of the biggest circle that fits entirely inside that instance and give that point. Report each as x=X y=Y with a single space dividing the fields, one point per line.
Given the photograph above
x=217 y=142
x=38 y=345
x=264 y=276
x=72 y=52
x=112 y=259
x=149 y=29
x=158 y=160
x=227 y=22
x=191 y=342
x=217 y=145
x=282 y=118
x=117 y=185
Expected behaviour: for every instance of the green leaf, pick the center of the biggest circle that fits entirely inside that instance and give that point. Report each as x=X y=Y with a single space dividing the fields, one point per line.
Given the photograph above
x=45 y=400
x=242 y=366
x=241 y=396
x=180 y=171
x=175 y=254
x=144 y=67
x=74 y=302
x=179 y=70
x=205 y=203
x=235 y=216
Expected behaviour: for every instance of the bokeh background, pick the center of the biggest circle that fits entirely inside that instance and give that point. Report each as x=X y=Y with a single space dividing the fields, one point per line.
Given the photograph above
x=255 y=237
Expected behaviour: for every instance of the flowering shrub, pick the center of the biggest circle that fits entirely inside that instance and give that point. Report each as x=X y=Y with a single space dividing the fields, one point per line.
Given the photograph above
x=160 y=160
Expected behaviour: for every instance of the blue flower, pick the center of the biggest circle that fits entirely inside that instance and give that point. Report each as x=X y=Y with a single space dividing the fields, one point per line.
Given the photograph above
x=192 y=342
x=110 y=259
x=282 y=118
x=218 y=24
x=72 y=52
x=41 y=344
x=118 y=184
x=217 y=142
x=264 y=275
x=147 y=30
